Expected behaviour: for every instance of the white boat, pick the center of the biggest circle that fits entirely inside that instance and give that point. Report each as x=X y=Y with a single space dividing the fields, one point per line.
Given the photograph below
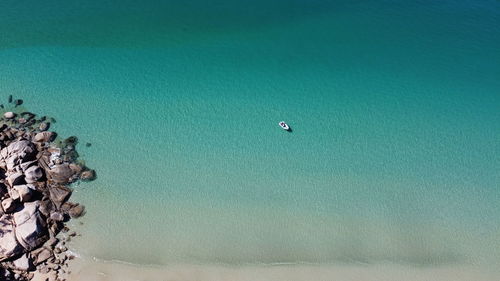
x=284 y=126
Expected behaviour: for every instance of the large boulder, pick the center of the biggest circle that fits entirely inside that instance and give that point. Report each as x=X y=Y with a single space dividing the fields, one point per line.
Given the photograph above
x=8 y=205
x=40 y=255
x=30 y=226
x=24 y=191
x=15 y=178
x=9 y=247
x=59 y=195
x=23 y=149
x=33 y=174
x=26 y=165
x=61 y=173
x=22 y=263
x=14 y=195
x=44 y=136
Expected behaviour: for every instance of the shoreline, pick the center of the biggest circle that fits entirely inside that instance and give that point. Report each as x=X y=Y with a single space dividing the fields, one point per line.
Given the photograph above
x=95 y=270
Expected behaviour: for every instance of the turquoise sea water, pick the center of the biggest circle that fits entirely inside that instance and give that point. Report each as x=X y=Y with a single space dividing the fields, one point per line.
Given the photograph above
x=395 y=109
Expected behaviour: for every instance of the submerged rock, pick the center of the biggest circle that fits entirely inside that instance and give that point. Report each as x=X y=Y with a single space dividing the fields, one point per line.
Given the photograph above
x=88 y=175
x=22 y=263
x=76 y=211
x=44 y=126
x=9 y=115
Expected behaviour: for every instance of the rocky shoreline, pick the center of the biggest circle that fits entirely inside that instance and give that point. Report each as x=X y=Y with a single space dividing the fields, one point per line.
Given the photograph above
x=36 y=169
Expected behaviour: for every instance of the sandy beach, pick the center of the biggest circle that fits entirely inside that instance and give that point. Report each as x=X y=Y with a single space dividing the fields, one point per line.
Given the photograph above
x=85 y=270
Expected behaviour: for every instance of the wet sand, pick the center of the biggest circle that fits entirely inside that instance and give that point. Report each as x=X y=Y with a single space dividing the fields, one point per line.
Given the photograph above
x=86 y=270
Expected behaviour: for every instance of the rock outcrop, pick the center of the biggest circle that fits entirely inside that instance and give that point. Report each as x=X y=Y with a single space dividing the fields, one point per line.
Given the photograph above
x=35 y=173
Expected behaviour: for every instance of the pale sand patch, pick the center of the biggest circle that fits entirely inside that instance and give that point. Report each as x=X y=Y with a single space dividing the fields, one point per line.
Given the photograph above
x=109 y=271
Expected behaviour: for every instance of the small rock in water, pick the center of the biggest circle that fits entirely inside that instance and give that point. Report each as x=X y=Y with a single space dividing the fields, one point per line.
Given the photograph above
x=88 y=144
x=10 y=98
x=44 y=126
x=9 y=115
x=77 y=211
x=88 y=175
x=18 y=102
x=71 y=140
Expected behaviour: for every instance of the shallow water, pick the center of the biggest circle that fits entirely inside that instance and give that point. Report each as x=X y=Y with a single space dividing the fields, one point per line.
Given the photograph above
x=394 y=105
